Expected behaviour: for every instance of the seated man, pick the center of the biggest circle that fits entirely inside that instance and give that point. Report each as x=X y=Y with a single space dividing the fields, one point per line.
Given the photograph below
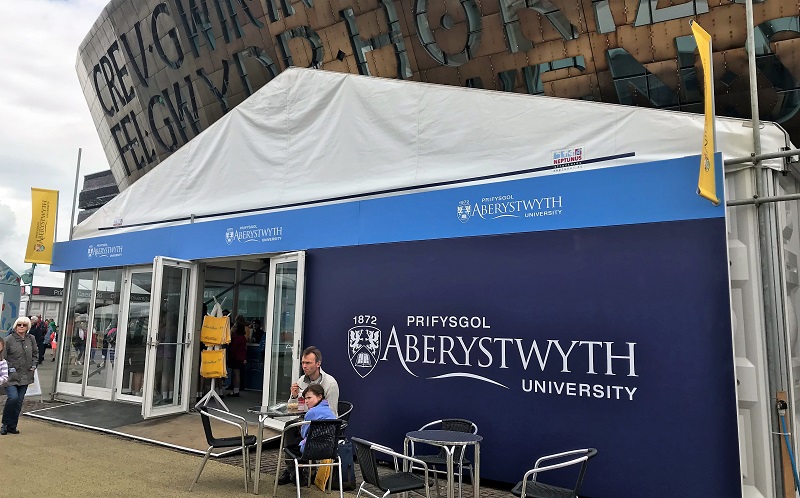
x=318 y=409
x=313 y=374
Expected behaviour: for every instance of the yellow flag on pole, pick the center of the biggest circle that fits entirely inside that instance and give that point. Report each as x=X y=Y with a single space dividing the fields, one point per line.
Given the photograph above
x=42 y=234
x=706 y=184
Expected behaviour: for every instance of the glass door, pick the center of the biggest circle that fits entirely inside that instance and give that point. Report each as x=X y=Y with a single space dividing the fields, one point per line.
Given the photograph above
x=72 y=338
x=132 y=333
x=101 y=340
x=168 y=351
x=284 y=328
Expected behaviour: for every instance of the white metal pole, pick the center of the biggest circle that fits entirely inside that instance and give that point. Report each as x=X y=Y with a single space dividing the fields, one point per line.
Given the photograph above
x=774 y=333
x=75 y=195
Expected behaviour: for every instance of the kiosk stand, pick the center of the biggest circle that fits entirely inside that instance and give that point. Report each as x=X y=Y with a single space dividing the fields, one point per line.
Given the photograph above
x=214 y=333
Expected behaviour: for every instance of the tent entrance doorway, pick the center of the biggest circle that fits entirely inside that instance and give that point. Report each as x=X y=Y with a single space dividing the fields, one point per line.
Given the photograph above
x=267 y=292
x=125 y=326
x=169 y=338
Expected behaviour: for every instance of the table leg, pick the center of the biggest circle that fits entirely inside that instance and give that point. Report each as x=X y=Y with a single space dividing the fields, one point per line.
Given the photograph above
x=451 y=486
x=476 y=472
x=258 y=454
x=405 y=462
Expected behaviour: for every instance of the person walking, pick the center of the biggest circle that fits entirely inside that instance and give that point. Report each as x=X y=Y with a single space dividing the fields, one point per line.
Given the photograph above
x=38 y=330
x=237 y=354
x=22 y=355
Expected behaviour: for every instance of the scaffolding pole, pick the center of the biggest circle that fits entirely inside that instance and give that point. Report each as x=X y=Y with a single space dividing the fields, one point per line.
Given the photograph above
x=774 y=332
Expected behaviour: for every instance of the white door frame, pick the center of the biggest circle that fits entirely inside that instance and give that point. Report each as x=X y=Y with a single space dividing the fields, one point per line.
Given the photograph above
x=189 y=305
x=122 y=329
x=300 y=258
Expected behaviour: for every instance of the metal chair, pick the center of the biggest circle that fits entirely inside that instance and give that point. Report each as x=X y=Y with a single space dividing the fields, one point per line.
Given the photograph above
x=344 y=408
x=244 y=440
x=322 y=443
x=529 y=487
x=438 y=462
x=398 y=482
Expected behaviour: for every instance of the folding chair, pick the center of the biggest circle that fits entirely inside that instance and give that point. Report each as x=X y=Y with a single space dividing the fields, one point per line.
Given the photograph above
x=244 y=440
x=322 y=443
x=530 y=487
x=397 y=482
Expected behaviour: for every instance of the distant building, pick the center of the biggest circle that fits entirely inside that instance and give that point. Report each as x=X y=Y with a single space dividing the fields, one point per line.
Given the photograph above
x=42 y=301
x=9 y=296
x=98 y=188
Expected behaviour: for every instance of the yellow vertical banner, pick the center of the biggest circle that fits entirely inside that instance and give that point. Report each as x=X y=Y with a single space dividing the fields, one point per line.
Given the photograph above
x=44 y=206
x=706 y=183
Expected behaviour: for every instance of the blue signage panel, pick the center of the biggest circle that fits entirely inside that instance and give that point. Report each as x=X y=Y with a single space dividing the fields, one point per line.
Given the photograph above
x=641 y=193
x=616 y=338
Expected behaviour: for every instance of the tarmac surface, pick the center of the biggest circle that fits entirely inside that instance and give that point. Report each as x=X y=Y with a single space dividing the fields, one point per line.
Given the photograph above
x=49 y=459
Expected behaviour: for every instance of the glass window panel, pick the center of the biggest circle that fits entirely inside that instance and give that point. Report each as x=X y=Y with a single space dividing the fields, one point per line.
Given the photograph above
x=171 y=337
x=136 y=333
x=283 y=331
x=73 y=338
x=104 y=331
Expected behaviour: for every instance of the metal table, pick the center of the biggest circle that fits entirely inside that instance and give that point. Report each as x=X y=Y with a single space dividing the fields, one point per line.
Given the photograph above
x=449 y=440
x=265 y=412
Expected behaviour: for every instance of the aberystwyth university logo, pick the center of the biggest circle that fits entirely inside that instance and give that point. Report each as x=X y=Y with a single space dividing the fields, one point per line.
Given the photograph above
x=364 y=346
x=445 y=346
x=104 y=251
x=507 y=206
x=253 y=233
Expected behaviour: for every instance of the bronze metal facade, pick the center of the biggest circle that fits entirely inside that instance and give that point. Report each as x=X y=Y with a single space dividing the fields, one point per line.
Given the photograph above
x=157 y=73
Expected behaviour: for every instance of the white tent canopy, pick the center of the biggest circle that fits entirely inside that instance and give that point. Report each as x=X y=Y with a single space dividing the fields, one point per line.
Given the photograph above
x=314 y=135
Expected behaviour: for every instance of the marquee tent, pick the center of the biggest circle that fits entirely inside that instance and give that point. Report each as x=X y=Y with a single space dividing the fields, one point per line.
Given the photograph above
x=311 y=136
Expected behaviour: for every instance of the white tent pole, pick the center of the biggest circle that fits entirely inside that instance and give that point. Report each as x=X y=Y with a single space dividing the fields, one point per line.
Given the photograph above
x=75 y=195
x=774 y=333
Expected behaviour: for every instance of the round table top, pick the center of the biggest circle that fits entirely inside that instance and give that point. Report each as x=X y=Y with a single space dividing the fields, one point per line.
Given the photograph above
x=444 y=437
x=279 y=410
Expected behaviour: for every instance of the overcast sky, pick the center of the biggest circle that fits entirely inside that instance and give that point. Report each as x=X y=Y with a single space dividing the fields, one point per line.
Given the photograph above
x=45 y=118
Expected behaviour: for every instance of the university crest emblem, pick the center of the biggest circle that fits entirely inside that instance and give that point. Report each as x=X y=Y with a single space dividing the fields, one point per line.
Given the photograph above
x=463 y=211
x=364 y=348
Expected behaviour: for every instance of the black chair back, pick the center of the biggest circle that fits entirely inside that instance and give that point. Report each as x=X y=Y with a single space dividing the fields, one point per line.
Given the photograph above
x=589 y=455
x=322 y=439
x=458 y=425
x=366 y=460
x=206 y=425
x=344 y=408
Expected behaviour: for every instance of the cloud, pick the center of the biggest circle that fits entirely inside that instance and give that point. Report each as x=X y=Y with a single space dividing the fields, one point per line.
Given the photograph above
x=45 y=118
x=8 y=225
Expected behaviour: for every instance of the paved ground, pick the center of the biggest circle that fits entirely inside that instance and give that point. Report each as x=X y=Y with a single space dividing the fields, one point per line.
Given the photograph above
x=50 y=459
x=55 y=460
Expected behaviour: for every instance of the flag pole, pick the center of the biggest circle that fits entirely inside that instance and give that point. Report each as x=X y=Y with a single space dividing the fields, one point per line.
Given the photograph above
x=75 y=195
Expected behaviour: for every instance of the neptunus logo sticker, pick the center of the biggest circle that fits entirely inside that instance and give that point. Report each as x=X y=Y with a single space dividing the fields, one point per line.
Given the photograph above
x=506 y=206
x=253 y=233
x=459 y=347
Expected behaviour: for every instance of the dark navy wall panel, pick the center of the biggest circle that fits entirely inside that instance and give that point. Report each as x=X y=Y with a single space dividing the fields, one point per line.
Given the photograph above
x=662 y=286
